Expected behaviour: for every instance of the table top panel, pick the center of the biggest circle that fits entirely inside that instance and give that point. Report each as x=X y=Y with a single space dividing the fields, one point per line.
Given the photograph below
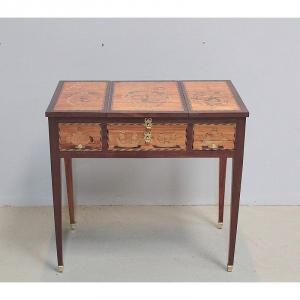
x=146 y=96
x=81 y=96
x=210 y=96
x=140 y=99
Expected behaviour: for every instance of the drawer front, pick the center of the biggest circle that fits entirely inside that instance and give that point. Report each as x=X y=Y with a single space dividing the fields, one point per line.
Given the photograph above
x=135 y=137
x=214 y=136
x=80 y=137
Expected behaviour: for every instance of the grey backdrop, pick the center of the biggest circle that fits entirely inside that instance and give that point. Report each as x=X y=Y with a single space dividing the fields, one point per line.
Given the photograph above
x=261 y=57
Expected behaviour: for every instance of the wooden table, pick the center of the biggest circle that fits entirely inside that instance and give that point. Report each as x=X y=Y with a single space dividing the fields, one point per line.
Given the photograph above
x=157 y=119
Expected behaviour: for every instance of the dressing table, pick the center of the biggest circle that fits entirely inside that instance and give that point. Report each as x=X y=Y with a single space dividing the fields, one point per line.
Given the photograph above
x=146 y=119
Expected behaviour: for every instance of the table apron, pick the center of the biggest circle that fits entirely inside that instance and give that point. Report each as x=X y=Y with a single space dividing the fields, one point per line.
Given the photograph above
x=148 y=154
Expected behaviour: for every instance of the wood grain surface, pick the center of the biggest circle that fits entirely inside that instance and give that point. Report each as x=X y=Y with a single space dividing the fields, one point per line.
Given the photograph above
x=130 y=137
x=146 y=96
x=214 y=136
x=81 y=96
x=210 y=96
x=80 y=137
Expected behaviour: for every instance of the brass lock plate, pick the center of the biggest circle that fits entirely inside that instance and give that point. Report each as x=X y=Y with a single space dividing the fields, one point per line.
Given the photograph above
x=147 y=137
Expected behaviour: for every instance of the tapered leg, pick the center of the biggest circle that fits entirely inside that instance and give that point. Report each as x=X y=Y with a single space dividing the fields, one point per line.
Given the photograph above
x=237 y=167
x=56 y=191
x=222 y=179
x=70 y=194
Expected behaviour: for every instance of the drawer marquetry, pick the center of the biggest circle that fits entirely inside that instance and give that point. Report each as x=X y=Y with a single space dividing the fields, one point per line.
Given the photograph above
x=80 y=137
x=214 y=136
x=134 y=137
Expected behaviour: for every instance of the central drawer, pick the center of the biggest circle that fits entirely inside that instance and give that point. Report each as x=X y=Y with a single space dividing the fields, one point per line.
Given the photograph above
x=135 y=137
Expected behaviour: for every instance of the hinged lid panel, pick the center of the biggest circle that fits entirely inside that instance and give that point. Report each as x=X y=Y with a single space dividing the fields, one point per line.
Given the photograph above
x=146 y=98
x=213 y=98
x=76 y=98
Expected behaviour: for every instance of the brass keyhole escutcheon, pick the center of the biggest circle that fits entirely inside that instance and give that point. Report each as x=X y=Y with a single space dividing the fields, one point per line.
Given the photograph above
x=148 y=123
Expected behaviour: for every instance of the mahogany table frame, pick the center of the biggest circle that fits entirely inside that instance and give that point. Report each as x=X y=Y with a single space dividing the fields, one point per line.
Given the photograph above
x=54 y=118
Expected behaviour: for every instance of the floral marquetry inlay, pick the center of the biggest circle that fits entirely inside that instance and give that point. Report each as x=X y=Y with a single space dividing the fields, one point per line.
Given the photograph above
x=214 y=136
x=80 y=137
x=81 y=96
x=210 y=96
x=146 y=96
x=129 y=137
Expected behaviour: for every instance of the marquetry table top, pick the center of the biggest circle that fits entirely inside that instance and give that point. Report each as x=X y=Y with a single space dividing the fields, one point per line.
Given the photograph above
x=135 y=98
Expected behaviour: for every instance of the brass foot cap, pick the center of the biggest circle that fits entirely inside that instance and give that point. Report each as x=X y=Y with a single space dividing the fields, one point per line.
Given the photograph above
x=73 y=226
x=220 y=225
x=60 y=269
x=229 y=268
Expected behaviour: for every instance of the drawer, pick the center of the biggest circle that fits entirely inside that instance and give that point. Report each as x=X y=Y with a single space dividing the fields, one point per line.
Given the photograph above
x=214 y=136
x=80 y=137
x=135 y=137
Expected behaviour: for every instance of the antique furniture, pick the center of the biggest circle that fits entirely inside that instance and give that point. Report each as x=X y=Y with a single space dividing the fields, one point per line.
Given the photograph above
x=157 y=119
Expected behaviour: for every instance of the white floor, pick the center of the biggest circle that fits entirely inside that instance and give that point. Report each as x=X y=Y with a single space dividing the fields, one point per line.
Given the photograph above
x=150 y=243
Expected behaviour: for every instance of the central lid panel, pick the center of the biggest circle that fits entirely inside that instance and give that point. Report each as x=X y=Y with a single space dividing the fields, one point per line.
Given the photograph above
x=148 y=97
